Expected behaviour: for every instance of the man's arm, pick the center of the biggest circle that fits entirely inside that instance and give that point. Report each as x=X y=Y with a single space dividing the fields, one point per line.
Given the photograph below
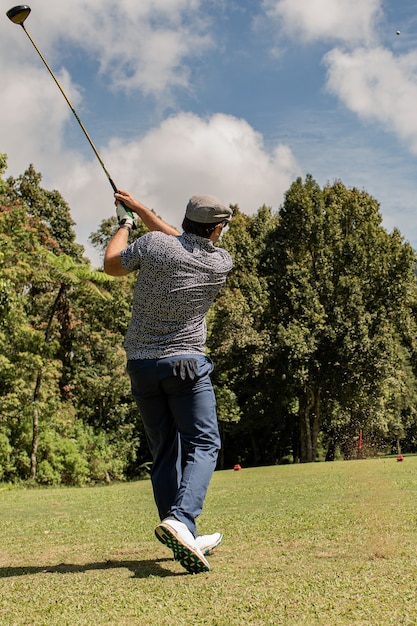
x=151 y=221
x=112 y=261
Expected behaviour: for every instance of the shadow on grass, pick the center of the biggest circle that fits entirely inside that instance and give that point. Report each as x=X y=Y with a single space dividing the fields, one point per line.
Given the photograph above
x=140 y=569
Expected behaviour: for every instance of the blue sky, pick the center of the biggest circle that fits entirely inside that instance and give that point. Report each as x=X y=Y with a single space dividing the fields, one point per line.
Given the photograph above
x=231 y=98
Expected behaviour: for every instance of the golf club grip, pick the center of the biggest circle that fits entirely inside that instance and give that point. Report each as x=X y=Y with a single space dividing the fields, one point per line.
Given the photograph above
x=128 y=211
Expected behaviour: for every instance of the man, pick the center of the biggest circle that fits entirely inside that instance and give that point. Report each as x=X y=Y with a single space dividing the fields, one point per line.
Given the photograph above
x=179 y=277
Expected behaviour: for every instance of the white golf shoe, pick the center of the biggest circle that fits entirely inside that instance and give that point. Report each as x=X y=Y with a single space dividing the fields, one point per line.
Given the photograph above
x=208 y=543
x=175 y=535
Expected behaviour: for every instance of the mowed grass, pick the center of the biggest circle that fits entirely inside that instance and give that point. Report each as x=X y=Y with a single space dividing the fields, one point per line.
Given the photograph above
x=329 y=543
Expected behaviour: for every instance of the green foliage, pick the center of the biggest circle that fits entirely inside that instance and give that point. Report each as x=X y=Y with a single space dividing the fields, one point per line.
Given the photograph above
x=313 y=338
x=78 y=457
x=315 y=331
x=237 y=340
x=50 y=306
x=48 y=210
x=341 y=289
x=6 y=462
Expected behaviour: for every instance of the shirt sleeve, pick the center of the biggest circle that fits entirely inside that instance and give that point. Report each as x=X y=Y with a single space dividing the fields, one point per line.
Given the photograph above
x=131 y=257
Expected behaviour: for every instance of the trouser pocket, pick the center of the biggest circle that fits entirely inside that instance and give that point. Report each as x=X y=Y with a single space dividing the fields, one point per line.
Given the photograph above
x=186 y=369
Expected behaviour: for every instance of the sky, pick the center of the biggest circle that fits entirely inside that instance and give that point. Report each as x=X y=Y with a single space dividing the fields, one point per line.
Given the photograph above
x=231 y=98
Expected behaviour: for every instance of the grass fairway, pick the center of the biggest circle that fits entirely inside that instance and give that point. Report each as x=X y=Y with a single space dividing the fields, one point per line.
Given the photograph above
x=328 y=543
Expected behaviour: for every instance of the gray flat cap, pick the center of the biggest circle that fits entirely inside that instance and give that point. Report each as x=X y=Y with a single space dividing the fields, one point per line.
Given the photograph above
x=207 y=209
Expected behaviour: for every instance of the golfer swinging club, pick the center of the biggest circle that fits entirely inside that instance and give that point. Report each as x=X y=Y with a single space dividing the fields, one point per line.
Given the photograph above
x=179 y=277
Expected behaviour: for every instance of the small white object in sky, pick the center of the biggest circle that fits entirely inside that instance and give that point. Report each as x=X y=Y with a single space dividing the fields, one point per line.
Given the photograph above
x=398 y=32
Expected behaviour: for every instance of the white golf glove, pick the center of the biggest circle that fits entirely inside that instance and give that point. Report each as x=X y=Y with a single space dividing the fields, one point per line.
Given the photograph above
x=123 y=217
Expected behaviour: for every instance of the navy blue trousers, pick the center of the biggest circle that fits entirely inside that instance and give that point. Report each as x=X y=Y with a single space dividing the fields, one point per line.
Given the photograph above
x=176 y=401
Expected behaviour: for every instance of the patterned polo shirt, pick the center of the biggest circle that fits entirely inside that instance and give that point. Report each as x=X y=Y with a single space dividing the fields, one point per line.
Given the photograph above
x=178 y=280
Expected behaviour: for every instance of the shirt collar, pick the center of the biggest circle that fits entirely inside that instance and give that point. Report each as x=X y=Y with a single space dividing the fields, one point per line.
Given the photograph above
x=202 y=242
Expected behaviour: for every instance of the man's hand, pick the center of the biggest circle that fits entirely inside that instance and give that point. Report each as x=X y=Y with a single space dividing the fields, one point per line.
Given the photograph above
x=127 y=199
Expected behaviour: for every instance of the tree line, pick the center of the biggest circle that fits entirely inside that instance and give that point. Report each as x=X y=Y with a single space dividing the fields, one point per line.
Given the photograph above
x=313 y=338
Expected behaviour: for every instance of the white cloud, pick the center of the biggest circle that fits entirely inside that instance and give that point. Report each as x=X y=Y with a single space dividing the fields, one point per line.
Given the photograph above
x=222 y=155
x=310 y=20
x=28 y=134
x=377 y=86
x=147 y=45
x=151 y=45
x=368 y=79
x=185 y=155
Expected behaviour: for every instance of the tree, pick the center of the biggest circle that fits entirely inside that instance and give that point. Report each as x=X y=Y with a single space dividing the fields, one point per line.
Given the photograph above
x=67 y=275
x=50 y=312
x=49 y=211
x=238 y=343
x=340 y=289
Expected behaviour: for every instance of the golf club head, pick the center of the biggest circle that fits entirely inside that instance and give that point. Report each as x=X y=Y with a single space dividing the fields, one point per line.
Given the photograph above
x=18 y=14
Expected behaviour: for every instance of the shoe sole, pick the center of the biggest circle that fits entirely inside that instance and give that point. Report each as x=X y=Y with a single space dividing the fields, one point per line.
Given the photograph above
x=188 y=558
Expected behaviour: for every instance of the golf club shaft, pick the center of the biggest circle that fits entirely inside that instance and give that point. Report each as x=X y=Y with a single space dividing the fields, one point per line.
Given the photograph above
x=114 y=187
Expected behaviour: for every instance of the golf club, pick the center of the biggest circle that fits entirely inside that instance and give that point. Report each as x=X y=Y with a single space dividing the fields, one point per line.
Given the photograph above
x=18 y=15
